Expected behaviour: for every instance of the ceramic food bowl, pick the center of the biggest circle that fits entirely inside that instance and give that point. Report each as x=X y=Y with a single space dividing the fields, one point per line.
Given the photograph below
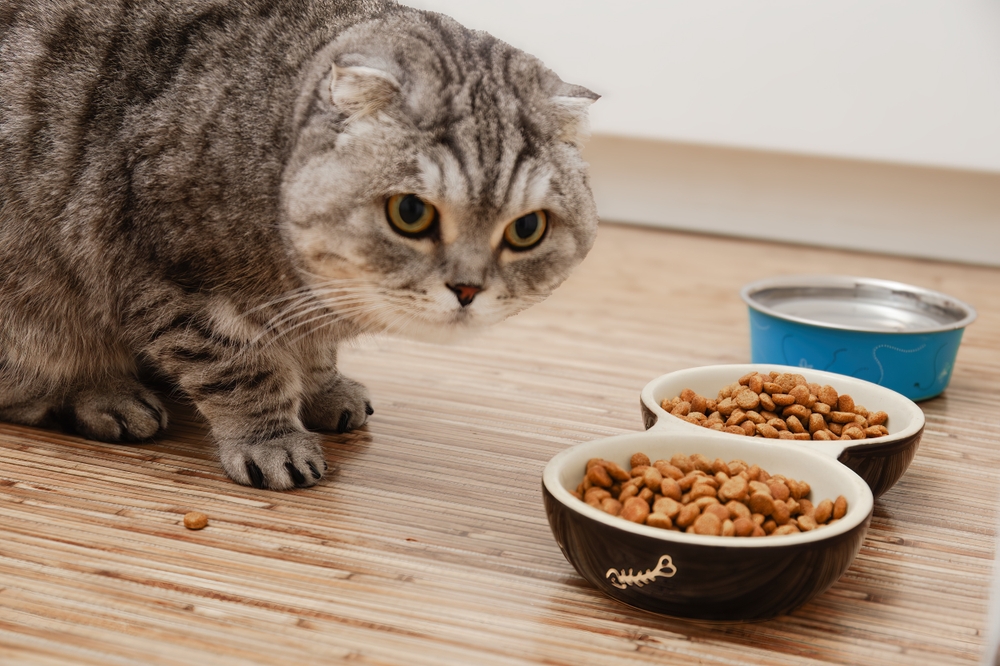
x=880 y=462
x=892 y=334
x=726 y=579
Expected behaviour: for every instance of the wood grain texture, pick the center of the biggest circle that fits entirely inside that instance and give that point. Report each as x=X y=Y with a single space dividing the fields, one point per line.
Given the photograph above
x=430 y=545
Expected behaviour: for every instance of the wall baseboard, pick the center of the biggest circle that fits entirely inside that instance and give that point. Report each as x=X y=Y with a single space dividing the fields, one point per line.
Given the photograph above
x=940 y=214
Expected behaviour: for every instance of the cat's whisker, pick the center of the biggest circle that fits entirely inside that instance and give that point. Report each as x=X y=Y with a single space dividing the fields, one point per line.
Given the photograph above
x=337 y=315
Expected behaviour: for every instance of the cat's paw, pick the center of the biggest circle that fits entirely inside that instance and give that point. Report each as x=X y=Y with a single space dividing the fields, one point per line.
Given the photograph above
x=341 y=406
x=294 y=460
x=123 y=411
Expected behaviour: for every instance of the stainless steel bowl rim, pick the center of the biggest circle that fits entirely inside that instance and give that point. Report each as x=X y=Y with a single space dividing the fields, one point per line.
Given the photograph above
x=849 y=282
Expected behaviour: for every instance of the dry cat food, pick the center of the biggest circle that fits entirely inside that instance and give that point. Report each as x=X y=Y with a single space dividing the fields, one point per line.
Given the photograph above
x=779 y=406
x=195 y=520
x=696 y=495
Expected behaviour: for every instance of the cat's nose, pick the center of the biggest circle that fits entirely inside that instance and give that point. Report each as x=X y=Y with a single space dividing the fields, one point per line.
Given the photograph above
x=464 y=292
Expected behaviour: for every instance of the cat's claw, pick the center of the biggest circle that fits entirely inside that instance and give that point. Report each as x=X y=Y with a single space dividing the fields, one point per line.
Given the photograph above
x=125 y=411
x=290 y=461
x=341 y=406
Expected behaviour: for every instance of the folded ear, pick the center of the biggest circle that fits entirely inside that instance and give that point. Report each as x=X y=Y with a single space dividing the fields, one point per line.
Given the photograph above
x=572 y=103
x=359 y=91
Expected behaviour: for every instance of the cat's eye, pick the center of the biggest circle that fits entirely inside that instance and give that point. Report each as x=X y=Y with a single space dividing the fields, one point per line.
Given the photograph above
x=526 y=231
x=409 y=214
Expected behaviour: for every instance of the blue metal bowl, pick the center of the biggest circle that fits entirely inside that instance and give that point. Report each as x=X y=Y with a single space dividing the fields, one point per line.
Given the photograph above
x=892 y=334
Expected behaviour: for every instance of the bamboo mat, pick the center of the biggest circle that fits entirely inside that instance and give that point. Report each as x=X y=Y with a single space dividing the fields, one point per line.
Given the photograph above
x=430 y=544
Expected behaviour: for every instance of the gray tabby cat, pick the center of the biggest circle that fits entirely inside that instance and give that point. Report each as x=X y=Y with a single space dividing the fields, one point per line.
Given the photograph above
x=222 y=191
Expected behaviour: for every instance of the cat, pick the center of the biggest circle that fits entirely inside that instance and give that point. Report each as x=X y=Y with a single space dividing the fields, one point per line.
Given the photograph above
x=217 y=193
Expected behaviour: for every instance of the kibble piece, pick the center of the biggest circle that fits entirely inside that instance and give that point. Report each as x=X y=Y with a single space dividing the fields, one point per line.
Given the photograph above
x=738 y=509
x=598 y=476
x=743 y=527
x=718 y=510
x=195 y=520
x=801 y=411
x=877 y=418
x=701 y=463
x=659 y=520
x=595 y=495
x=668 y=507
x=839 y=507
x=782 y=399
x=763 y=504
x=635 y=509
x=737 y=417
x=778 y=424
x=823 y=511
x=627 y=492
x=611 y=505
x=779 y=490
x=652 y=478
x=681 y=409
x=639 y=459
x=670 y=488
x=801 y=395
x=668 y=470
x=707 y=523
x=842 y=417
x=615 y=471
x=689 y=513
x=682 y=462
x=781 y=513
x=747 y=399
x=806 y=523
x=795 y=425
x=736 y=488
x=726 y=406
x=702 y=490
x=771 y=388
x=705 y=502
x=816 y=423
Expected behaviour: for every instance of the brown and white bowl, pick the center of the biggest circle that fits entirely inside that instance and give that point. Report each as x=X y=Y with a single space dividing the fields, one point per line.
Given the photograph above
x=724 y=578
x=699 y=577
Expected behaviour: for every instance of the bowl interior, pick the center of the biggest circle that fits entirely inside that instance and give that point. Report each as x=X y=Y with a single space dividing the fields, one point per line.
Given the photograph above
x=826 y=477
x=905 y=417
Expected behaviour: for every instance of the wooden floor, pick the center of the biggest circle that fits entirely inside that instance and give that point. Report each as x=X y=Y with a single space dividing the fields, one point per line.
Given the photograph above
x=430 y=545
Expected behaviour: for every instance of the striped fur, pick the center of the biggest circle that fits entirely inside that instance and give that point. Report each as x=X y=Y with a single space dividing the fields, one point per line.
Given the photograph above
x=196 y=190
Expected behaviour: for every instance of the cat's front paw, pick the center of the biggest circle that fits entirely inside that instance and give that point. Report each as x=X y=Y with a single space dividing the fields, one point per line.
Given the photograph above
x=294 y=460
x=123 y=411
x=340 y=406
